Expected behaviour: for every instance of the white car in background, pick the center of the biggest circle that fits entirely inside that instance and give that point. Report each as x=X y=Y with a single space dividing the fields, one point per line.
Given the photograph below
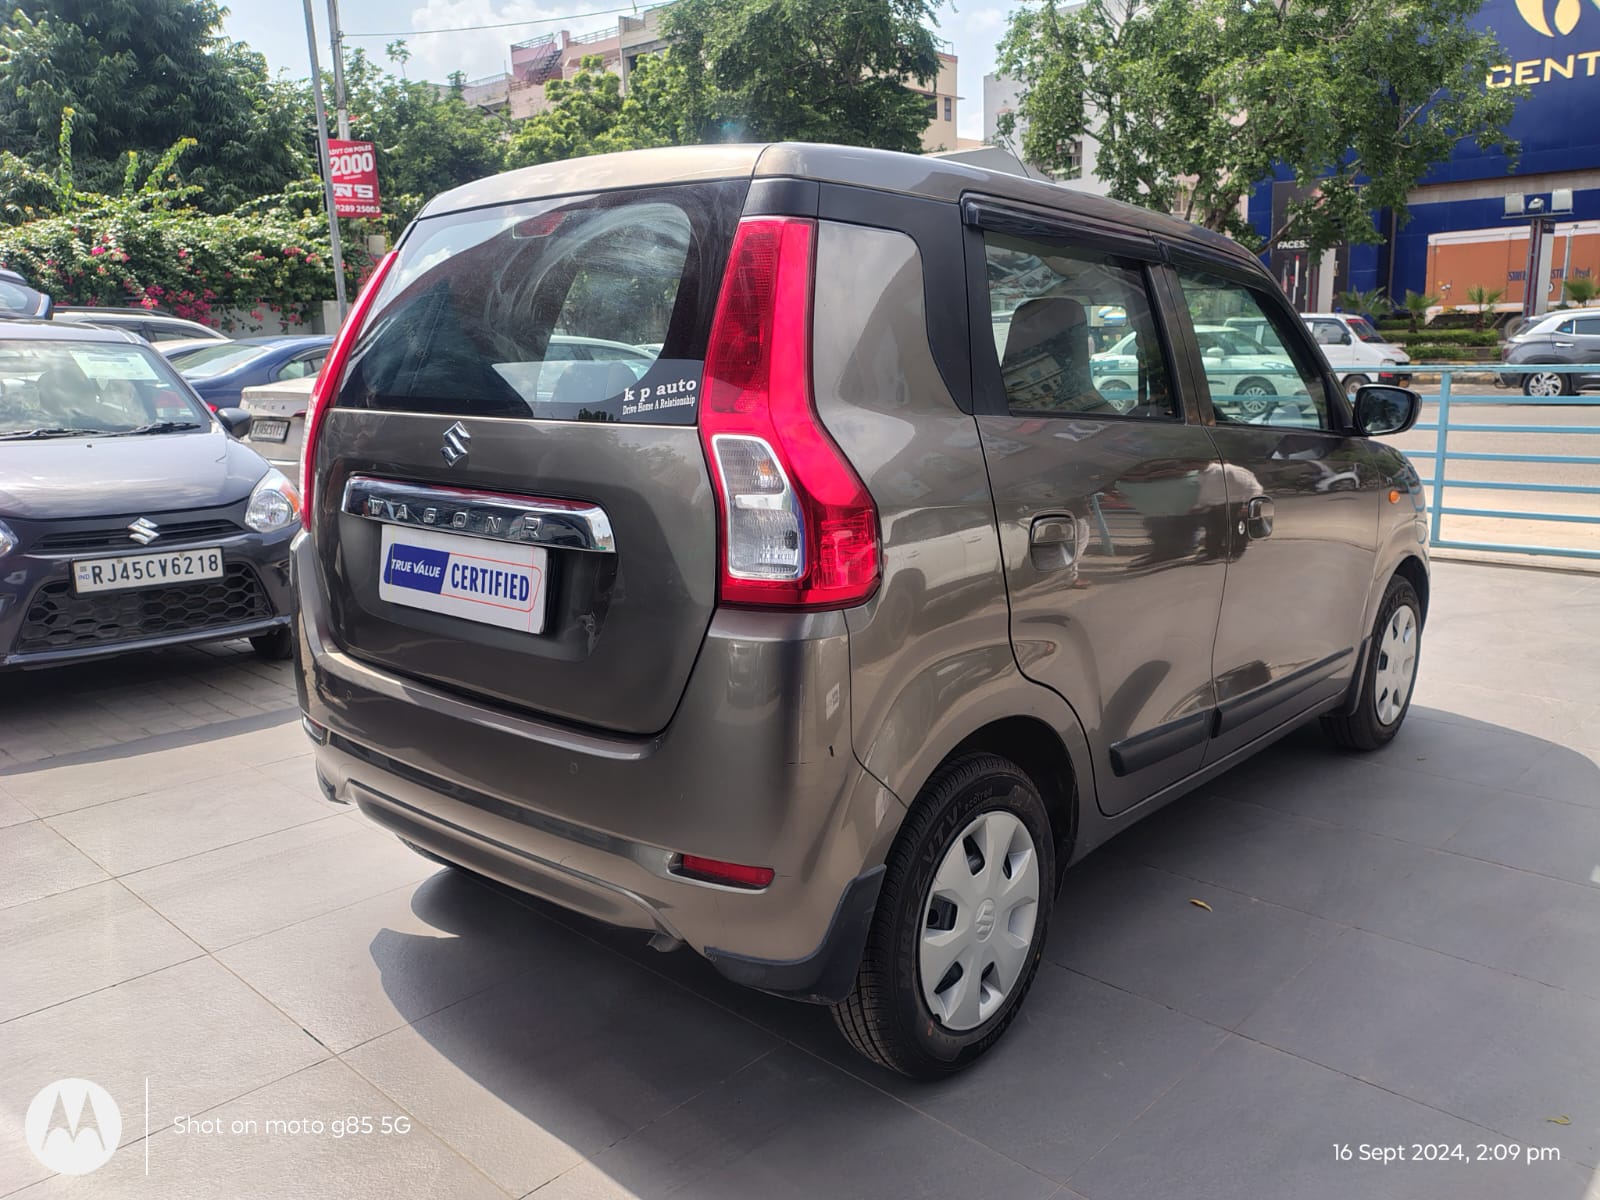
x=278 y=420
x=1246 y=372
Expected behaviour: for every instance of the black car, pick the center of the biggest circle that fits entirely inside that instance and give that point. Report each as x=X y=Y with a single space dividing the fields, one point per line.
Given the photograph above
x=129 y=518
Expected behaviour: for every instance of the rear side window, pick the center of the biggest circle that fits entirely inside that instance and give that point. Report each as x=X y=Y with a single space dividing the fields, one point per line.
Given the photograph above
x=1074 y=332
x=590 y=308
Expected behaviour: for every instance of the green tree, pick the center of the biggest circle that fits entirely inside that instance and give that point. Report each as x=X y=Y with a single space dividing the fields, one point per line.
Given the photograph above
x=807 y=70
x=140 y=74
x=582 y=118
x=1366 y=304
x=1484 y=299
x=1194 y=102
x=1417 y=305
x=1580 y=291
x=426 y=142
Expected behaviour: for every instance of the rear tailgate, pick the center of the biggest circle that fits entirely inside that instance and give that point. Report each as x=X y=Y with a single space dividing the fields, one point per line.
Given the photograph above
x=512 y=500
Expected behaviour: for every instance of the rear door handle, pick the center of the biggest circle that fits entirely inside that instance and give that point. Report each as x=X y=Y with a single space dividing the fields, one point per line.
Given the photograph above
x=1053 y=542
x=1261 y=511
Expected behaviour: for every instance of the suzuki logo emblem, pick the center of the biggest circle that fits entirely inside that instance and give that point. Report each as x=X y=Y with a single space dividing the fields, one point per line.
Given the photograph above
x=457 y=443
x=144 y=531
x=1566 y=16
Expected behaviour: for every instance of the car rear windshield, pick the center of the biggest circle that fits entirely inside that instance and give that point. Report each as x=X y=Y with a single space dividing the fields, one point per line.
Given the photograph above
x=587 y=308
x=49 y=386
x=207 y=362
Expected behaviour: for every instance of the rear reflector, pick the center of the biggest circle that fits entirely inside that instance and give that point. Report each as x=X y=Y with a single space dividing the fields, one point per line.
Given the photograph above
x=798 y=528
x=714 y=870
x=328 y=381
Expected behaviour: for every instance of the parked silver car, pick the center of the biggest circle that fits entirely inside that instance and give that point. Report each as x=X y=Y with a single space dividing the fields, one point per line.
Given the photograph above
x=823 y=645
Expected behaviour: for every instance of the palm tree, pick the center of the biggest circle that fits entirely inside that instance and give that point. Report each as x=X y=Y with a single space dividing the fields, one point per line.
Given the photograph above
x=1366 y=304
x=1417 y=305
x=1484 y=299
x=1580 y=291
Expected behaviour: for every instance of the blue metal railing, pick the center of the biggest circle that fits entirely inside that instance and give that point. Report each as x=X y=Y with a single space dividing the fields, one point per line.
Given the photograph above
x=1443 y=457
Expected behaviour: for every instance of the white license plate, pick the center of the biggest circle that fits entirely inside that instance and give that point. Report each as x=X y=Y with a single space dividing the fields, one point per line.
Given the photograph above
x=267 y=430
x=145 y=570
x=493 y=583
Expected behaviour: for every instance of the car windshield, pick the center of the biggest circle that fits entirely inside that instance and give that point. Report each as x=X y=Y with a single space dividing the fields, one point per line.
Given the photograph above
x=207 y=362
x=1226 y=341
x=51 y=388
x=1363 y=330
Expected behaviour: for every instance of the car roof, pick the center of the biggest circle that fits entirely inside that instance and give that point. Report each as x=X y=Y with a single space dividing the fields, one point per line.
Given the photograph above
x=884 y=170
x=49 y=331
x=572 y=339
x=278 y=339
x=112 y=310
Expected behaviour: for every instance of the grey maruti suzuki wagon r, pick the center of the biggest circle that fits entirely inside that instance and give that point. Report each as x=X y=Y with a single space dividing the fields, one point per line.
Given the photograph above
x=825 y=636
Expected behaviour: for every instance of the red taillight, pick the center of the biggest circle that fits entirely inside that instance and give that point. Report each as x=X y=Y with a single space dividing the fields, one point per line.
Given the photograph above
x=798 y=527
x=327 y=385
x=714 y=870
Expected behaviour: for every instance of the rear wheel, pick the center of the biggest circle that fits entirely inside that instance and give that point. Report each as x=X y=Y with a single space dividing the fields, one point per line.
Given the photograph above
x=1390 y=673
x=276 y=646
x=1255 y=388
x=1546 y=383
x=1354 y=383
x=960 y=924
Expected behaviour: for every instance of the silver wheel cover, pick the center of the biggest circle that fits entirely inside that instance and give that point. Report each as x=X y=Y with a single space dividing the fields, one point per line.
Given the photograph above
x=1397 y=665
x=978 y=920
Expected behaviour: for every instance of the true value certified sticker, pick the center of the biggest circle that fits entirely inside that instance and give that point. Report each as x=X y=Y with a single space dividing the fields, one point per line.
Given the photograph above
x=491 y=582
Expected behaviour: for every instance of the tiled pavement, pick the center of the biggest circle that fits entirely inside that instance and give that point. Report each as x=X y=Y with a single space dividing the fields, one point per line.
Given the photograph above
x=1399 y=949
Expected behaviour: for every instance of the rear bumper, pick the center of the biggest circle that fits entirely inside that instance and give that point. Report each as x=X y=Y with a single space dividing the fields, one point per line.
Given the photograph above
x=755 y=768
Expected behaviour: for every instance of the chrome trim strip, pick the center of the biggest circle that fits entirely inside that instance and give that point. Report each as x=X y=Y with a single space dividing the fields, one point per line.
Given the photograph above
x=494 y=516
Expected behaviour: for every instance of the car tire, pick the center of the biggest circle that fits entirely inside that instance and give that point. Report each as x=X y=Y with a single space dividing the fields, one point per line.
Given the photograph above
x=1391 y=669
x=1547 y=383
x=983 y=805
x=277 y=646
x=1353 y=384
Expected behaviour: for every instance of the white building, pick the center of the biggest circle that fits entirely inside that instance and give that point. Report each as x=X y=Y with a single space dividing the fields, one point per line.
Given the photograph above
x=1002 y=94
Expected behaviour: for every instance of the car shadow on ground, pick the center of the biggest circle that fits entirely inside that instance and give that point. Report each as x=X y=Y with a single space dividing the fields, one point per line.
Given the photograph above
x=1163 y=943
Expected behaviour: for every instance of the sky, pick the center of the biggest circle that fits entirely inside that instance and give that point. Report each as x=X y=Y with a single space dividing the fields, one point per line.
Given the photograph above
x=277 y=29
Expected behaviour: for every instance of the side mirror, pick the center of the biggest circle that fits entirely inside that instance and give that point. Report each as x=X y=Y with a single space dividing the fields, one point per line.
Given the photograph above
x=1382 y=410
x=237 y=422
x=1344 y=337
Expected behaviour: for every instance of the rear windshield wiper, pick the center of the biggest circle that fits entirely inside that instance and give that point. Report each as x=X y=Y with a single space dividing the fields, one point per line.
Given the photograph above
x=161 y=427
x=49 y=432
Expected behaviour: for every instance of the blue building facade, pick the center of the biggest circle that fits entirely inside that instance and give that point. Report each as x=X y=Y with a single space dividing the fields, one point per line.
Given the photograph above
x=1553 y=47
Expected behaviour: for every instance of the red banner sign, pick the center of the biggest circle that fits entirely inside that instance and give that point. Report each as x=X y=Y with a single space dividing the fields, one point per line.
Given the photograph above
x=354 y=168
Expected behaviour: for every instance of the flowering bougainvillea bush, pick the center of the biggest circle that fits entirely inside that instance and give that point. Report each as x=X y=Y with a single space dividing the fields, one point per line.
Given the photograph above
x=149 y=247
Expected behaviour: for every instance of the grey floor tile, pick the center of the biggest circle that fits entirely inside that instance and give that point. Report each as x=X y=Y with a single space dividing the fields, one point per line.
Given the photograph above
x=1564 y=773
x=791 y=1126
x=39 y=862
x=1134 y=927
x=1254 y=1122
x=196 y=1033
x=50 y=790
x=1370 y=793
x=12 y=810
x=1501 y=1051
x=1517 y=921
x=361 y=971
x=1471 y=751
x=267 y=1163
x=535 y=1074
x=1337 y=874
x=1549 y=837
x=75 y=942
x=162 y=826
x=242 y=891
x=1081 y=1061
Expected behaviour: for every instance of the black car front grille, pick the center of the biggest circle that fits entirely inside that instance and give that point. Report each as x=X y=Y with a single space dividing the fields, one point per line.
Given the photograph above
x=172 y=533
x=60 y=619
